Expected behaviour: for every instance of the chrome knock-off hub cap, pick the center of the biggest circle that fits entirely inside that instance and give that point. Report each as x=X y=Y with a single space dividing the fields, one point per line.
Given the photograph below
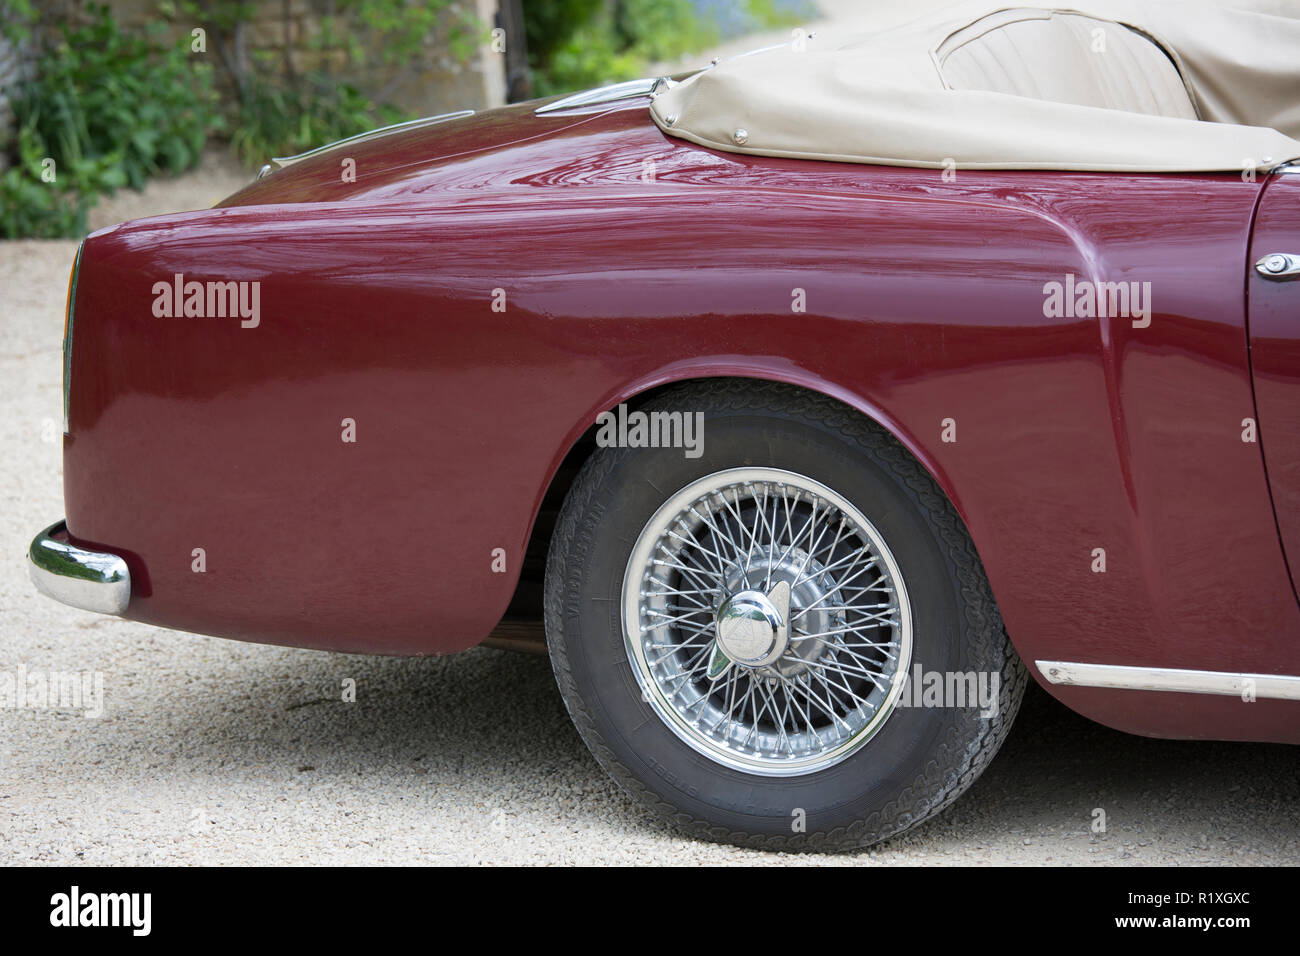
x=766 y=621
x=753 y=629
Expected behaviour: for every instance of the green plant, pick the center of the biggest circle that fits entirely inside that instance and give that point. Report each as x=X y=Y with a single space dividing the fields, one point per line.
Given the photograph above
x=16 y=19
x=552 y=25
x=577 y=44
x=662 y=29
x=32 y=207
x=289 y=100
x=102 y=92
x=768 y=14
x=105 y=109
x=615 y=40
x=279 y=120
x=591 y=57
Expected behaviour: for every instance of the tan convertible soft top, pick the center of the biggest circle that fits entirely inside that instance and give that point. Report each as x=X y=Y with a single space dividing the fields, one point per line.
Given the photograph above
x=1102 y=85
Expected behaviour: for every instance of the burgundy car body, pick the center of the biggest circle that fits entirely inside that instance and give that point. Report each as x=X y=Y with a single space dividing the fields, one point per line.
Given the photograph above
x=628 y=260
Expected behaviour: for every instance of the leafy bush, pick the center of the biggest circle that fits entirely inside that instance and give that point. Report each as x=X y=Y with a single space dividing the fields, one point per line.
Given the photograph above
x=591 y=57
x=552 y=25
x=282 y=120
x=109 y=110
x=281 y=110
x=32 y=207
x=662 y=29
x=577 y=44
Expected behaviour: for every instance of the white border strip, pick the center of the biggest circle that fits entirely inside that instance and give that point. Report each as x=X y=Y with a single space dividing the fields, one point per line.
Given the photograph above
x=1226 y=683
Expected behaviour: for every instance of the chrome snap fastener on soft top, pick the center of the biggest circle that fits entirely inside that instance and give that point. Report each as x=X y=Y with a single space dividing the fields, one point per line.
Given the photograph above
x=740 y=137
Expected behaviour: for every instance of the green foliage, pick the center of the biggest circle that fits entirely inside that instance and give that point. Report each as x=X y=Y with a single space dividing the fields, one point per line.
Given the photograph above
x=287 y=102
x=662 y=29
x=400 y=30
x=16 y=19
x=110 y=110
x=591 y=57
x=32 y=208
x=283 y=120
x=551 y=25
x=577 y=44
x=767 y=14
x=607 y=41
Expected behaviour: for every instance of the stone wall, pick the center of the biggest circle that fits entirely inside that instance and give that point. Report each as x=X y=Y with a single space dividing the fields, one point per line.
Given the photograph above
x=285 y=29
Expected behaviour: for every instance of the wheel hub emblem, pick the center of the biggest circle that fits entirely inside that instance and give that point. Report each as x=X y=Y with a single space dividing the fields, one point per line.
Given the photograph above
x=753 y=628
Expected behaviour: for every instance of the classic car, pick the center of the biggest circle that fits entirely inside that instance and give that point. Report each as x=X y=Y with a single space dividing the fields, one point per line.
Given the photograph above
x=799 y=400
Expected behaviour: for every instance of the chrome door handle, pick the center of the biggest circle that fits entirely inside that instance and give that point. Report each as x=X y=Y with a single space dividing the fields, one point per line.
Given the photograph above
x=1279 y=266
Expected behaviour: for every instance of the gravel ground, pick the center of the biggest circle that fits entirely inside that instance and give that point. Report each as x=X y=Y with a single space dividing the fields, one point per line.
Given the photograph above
x=216 y=752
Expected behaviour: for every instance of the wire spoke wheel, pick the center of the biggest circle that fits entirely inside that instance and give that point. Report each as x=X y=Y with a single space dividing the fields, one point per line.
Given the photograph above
x=766 y=621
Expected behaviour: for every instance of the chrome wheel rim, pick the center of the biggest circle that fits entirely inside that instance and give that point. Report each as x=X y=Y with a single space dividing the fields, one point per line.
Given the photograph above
x=766 y=621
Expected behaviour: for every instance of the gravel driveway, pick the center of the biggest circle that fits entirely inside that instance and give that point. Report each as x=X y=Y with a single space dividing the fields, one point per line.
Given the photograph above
x=214 y=752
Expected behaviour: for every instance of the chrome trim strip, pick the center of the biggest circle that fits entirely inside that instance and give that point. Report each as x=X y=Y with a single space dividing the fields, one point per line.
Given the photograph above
x=282 y=161
x=90 y=580
x=1171 y=679
x=605 y=94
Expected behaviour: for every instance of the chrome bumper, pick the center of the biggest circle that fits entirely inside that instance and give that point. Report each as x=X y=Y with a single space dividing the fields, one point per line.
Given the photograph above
x=91 y=580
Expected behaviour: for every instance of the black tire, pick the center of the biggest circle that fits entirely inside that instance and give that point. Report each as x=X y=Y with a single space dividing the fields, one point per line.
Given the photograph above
x=920 y=760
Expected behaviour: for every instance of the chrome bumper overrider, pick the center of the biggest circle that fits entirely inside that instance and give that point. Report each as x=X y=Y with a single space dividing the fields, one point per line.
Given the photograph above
x=91 y=580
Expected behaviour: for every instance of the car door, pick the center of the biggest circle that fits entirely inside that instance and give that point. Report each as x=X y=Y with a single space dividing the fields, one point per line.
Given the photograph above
x=1273 y=293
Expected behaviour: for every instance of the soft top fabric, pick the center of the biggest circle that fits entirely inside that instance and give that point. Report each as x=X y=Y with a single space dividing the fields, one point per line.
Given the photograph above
x=1106 y=85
